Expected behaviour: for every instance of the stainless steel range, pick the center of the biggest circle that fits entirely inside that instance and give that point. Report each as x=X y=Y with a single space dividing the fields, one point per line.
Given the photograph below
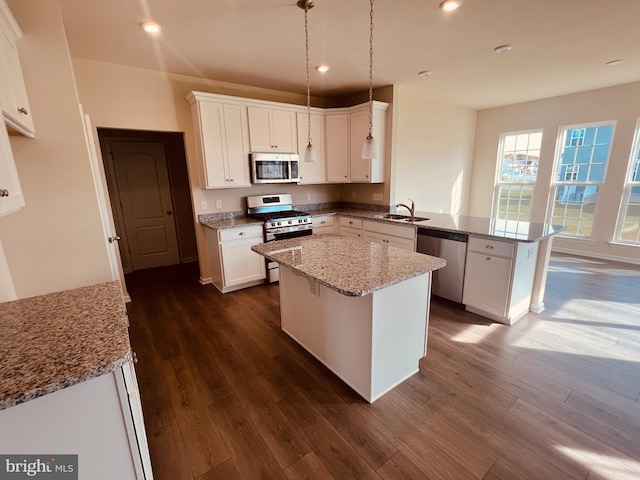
x=280 y=221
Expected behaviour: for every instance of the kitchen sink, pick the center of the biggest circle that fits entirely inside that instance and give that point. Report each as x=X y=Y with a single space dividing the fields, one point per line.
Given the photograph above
x=401 y=218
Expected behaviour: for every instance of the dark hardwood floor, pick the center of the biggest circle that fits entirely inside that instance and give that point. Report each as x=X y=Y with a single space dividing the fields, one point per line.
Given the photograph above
x=227 y=395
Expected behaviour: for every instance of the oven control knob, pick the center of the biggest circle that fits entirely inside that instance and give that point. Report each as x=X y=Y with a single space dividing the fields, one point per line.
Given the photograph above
x=279 y=223
x=290 y=222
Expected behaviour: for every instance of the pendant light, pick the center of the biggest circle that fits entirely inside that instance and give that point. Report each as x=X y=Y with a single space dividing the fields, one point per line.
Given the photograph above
x=309 y=153
x=370 y=149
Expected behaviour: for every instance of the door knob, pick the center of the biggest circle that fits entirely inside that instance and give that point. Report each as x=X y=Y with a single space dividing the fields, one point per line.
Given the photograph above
x=169 y=212
x=114 y=239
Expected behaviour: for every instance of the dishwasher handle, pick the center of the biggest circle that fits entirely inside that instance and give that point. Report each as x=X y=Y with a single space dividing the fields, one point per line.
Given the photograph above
x=456 y=237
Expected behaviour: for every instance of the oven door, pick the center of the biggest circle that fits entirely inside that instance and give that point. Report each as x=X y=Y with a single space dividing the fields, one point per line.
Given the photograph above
x=288 y=232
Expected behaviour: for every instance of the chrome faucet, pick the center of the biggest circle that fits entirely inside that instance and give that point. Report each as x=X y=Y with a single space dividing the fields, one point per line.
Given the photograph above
x=412 y=208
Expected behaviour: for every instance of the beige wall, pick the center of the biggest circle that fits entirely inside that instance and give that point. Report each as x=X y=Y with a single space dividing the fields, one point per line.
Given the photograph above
x=433 y=146
x=56 y=242
x=616 y=103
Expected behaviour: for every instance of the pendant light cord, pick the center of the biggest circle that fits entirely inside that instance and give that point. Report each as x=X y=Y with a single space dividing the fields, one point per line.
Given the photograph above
x=306 y=33
x=371 y=71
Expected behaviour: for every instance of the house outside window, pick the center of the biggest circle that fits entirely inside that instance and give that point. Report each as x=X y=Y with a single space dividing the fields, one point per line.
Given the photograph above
x=580 y=168
x=517 y=171
x=628 y=227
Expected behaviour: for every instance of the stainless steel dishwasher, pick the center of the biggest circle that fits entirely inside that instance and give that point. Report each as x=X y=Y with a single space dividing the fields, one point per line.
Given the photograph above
x=448 y=281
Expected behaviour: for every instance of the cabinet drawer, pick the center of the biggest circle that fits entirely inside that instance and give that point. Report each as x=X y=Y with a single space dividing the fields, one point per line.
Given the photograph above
x=319 y=222
x=252 y=231
x=491 y=247
x=350 y=222
x=388 y=229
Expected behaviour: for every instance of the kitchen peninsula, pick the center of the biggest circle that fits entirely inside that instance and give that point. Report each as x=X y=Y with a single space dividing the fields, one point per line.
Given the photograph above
x=360 y=308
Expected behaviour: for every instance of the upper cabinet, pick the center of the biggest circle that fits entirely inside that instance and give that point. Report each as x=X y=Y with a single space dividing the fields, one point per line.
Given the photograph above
x=337 y=146
x=272 y=130
x=222 y=142
x=367 y=170
x=312 y=172
x=11 y=198
x=13 y=93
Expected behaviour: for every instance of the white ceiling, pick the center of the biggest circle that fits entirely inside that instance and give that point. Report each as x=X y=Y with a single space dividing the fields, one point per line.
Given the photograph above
x=559 y=46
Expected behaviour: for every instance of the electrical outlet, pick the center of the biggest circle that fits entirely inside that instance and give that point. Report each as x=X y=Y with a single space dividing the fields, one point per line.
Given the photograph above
x=218 y=203
x=308 y=196
x=203 y=205
x=377 y=196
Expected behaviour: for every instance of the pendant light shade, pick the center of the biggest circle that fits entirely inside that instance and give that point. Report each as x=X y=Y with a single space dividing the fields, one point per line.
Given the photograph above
x=369 y=148
x=309 y=153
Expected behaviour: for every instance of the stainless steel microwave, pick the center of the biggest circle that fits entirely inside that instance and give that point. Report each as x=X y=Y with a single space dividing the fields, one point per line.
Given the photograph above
x=275 y=168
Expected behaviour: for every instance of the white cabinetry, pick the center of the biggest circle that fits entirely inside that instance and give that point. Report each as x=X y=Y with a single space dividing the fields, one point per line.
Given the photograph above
x=11 y=198
x=322 y=224
x=350 y=227
x=222 y=141
x=13 y=93
x=100 y=420
x=337 y=147
x=369 y=170
x=346 y=130
x=233 y=264
x=272 y=130
x=392 y=235
x=311 y=172
x=499 y=278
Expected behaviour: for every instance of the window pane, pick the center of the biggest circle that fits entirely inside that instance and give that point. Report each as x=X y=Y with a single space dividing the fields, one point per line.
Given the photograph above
x=630 y=230
x=514 y=202
x=574 y=207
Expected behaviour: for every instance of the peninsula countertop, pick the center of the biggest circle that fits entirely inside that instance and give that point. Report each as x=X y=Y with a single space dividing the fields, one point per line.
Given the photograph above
x=508 y=230
x=53 y=341
x=348 y=265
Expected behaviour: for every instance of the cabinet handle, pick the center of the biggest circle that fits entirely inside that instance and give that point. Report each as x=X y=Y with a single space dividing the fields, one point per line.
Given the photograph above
x=23 y=111
x=4 y=192
x=231 y=179
x=241 y=233
x=350 y=222
x=490 y=247
x=488 y=258
x=322 y=222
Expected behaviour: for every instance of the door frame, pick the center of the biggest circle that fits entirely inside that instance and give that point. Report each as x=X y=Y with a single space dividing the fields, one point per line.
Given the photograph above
x=181 y=216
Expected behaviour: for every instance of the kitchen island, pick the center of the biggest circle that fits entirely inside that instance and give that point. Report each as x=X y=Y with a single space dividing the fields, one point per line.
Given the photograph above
x=360 y=308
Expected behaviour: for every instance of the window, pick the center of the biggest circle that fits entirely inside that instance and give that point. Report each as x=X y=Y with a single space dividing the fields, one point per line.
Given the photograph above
x=518 y=158
x=580 y=166
x=628 y=229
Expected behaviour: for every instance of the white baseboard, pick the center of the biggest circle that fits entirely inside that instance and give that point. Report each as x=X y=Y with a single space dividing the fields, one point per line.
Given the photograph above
x=598 y=256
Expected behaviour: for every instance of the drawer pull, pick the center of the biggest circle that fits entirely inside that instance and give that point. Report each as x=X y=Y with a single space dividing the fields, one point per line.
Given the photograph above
x=488 y=258
x=322 y=222
x=490 y=247
x=241 y=233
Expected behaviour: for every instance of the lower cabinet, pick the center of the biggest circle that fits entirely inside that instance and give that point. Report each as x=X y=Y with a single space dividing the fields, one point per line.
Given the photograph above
x=100 y=420
x=233 y=264
x=391 y=235
x=322 y=224
x=350 y=227
x=499 y=278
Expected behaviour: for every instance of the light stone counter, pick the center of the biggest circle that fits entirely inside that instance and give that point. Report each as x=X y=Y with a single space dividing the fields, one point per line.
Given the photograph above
x=53 y=341
x=348 y=265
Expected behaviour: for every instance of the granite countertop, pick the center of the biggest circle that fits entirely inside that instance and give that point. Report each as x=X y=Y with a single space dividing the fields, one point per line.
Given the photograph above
x=348 y=265
x=53 y=341
x=508 y=230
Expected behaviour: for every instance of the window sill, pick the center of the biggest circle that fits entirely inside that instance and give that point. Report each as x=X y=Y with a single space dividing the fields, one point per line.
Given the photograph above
x=613 y=243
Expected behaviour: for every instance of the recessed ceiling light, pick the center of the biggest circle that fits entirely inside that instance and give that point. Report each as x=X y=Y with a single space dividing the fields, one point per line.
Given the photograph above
x=425 y=73
x=614 y=62
x=322 y=68
x=150 y=27
x=502 y=49
x=450 y=5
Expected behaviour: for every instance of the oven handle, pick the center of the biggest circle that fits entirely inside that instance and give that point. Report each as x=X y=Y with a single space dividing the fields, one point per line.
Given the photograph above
x=287 y=229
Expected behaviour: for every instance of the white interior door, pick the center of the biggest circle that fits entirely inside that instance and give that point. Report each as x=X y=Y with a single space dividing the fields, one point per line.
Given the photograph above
x=145 y=199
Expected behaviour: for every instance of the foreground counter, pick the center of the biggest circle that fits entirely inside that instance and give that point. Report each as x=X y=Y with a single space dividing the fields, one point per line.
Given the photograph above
x=360 y=308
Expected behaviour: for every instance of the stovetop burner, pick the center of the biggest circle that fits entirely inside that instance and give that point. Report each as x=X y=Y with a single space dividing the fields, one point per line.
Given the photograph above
x=278 y=216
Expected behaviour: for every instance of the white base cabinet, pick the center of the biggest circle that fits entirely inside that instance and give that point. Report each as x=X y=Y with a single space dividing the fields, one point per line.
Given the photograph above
x=322 y=224
x=499 y=278
x=350 y=227
x=391 y=235
x=100 y=420
x=233 y=264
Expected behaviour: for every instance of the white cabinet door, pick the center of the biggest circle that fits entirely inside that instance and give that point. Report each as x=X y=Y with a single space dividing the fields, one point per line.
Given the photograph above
x=11 y=198
x=222 y=138
x=13 y=93
x=272 y=130
x=367 y=170
x=311 y=172
x=487 y=283
x=240 y=264
x=337 y=147
x=322 y=224
x=390 y=241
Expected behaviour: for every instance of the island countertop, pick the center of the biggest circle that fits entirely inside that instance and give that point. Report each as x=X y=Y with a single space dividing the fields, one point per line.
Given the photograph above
x=53 y=341
x=348 y=265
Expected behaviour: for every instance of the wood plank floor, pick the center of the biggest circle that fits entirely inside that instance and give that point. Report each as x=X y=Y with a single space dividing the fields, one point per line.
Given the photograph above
x=227 y=395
